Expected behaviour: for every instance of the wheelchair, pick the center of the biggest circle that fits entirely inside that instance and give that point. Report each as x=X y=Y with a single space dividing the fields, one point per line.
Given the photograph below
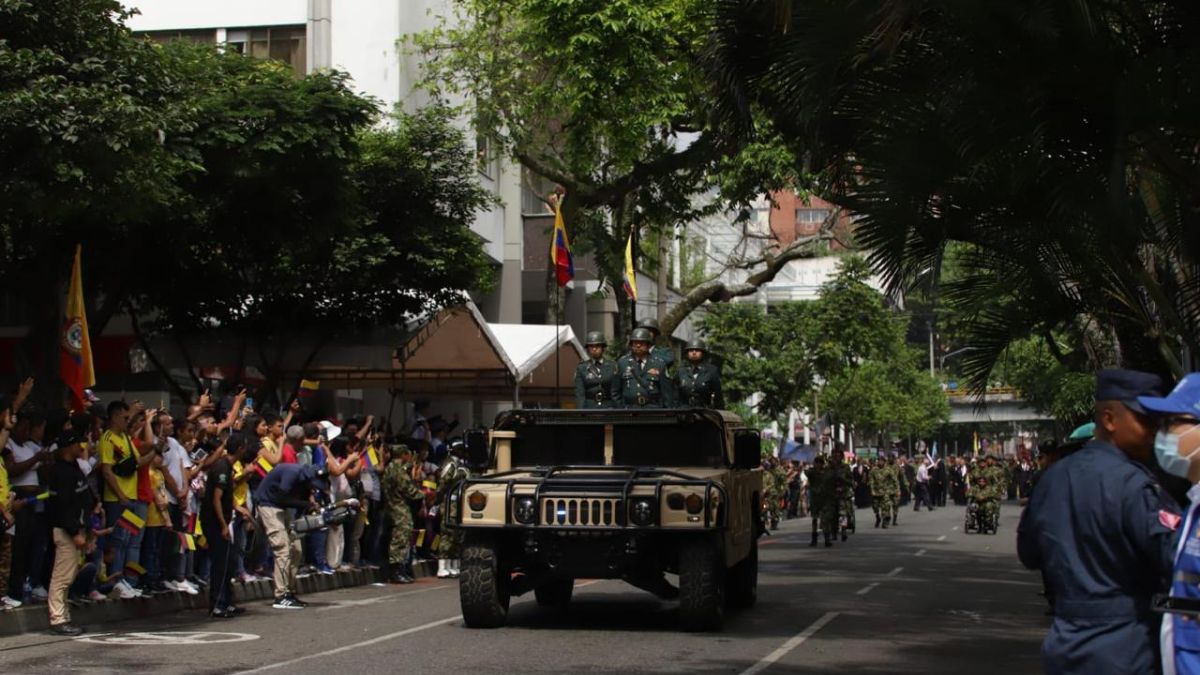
x=976 y=521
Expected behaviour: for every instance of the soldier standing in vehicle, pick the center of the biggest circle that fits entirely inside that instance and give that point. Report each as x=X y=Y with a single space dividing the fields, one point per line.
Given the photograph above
x=594 y=377
x=642 y=380
x=398 y=490
x=664 y=354
x=699 y=379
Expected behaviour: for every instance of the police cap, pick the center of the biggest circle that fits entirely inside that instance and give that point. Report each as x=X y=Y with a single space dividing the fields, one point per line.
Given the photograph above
x=595 y=338
x=1126 y=386
x=641 y=335
x=652 y=324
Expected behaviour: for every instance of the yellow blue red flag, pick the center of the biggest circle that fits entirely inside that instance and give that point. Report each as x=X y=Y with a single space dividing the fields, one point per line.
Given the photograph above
x=560 y=251
x=630 y=273
x=75 y=348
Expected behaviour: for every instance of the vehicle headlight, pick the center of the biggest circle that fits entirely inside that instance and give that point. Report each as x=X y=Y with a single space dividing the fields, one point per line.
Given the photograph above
x=641 y=512
x=477 y=500
x=524 y=510
x=694 y=503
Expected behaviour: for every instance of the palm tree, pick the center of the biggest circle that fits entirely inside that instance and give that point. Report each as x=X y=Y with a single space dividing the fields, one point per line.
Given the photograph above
x=1059 y=139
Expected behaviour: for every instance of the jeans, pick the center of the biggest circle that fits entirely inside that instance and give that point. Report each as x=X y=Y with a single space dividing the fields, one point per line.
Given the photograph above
x=314 y=548
x=152 y=543
x=171 y=550
x=126 y=546
x=220 y=554
x=29 y=547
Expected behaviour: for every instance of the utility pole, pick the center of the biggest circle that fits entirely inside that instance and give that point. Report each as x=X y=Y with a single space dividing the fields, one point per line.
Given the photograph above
x=929 y=325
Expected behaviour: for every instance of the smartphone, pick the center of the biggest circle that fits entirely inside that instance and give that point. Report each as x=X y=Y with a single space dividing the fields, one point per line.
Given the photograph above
x=248 y=405
x=199 y=454
x=1185 y=606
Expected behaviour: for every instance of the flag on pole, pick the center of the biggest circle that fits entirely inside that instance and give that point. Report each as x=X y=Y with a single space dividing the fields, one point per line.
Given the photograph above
x=630 y=273
x=560 y=251
x=131 y=522
x=309 y=387
x=75 y=348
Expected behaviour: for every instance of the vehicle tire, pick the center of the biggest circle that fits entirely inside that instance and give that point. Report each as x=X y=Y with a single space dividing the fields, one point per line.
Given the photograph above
x=701 y=584
x=483 y=584
x=556 y=592
x=742 y=584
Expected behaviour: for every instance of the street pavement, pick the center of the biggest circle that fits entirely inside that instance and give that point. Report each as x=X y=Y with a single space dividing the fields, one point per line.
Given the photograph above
x=919 y=598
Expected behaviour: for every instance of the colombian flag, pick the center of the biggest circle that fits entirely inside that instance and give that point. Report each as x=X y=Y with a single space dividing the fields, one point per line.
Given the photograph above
x=560 y=251
x=630 y=273
x=75 y=348
x=309 y=387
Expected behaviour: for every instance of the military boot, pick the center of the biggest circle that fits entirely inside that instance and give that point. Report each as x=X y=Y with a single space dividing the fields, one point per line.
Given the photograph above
x=894 y=520
x=828 y=540
x=877 y=520
x=814 y=539
x=845 y=533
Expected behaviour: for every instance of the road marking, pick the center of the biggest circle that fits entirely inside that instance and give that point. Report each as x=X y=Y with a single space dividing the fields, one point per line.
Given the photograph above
x=356 y=645
x=167 y=638
x=920 y=553
x=867 y=589
x=1011 y=582
x=791 y=644
x=955 y=528
x=896 y=571
x=343 y=604
x=942 y=538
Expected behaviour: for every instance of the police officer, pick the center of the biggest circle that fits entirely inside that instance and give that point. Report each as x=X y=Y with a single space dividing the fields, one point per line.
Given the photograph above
x=664 y=354
x=699 y=381
x=1102 y=529
x=642 y=380
x=594 y=377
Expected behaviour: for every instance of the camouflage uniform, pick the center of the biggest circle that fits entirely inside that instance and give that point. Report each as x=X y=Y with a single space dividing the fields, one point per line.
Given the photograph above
x=987 y=499
x=883 y=492
x=398 y=489
x=818 y=495
x=893 y=496
x=450 y=540
x=772 y=490
x=844 y=489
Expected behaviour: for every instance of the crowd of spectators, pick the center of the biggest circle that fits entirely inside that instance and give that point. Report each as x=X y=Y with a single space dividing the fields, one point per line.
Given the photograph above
x=144 y=527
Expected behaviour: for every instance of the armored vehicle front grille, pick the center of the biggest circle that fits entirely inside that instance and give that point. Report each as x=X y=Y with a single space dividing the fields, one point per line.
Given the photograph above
x=577 y=512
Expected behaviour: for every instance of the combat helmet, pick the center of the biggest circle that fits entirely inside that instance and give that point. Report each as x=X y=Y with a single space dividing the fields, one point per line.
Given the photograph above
x=651 y=324
x=696 y=344
x=641 y=335
x=595 y=338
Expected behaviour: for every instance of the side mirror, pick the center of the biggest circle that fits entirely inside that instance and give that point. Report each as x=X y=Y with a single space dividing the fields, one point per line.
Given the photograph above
x=747 y=449
x=479 y=452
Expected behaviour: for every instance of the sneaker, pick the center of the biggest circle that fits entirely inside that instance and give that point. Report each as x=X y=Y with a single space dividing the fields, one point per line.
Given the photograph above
x=39 y=594
x=287 y=602
x=122 y=591
x=9 y=603
x=97 y=596
x=345 y=567
x=304 y=572
x=222 y=613
x=298 y=601
x=326 y=570
x=197 y=582
x=66 y=629
x=237 y=611
x=247 y=578
x=187 y=587
x=173 y=585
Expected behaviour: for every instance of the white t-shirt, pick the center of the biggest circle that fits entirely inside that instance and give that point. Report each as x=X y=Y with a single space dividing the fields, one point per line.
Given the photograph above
x=20 y=453
x=175 y=460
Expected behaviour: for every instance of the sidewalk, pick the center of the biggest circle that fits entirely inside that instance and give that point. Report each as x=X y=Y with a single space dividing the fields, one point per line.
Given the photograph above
x=34 y=617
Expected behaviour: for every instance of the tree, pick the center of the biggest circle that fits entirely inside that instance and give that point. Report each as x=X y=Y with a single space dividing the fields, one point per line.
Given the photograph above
x=1045 y=383
x=940 y=122
x=607 y=100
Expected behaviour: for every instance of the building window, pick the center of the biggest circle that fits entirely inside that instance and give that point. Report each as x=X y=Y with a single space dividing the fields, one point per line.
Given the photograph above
x=206 y=36
x=812 y=215
x=485 y=155
x=280 y=43
x=534 y=191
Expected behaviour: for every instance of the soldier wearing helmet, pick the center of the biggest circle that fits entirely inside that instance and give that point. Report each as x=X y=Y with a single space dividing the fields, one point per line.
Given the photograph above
x=642 y=380
x=699 y=380
x=595 y=377
x=664 y=354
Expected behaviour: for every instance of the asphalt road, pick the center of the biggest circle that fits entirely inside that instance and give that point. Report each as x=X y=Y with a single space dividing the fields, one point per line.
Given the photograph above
x=919 y=598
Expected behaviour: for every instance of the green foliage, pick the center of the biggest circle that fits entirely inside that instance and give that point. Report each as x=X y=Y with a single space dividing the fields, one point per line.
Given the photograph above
x=940 y=122
x=847 y=347
x=1045 y=383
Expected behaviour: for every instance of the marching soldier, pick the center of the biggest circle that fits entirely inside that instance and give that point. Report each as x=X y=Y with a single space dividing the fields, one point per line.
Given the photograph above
x=843 y=489
x=818 y=495
x=642 y=380
x=594 y=377
x=772 y=491
x=882 y=488
x=664 y=354
x=449 y=545
x=894 y=478
x=398 y=490
x=699 y=380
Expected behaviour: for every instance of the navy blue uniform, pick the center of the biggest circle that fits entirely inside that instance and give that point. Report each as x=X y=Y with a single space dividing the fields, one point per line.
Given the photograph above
x=1103 y=533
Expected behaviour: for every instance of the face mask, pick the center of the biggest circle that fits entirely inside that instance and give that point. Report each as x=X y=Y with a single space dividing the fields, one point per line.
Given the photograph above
x=1166 y=450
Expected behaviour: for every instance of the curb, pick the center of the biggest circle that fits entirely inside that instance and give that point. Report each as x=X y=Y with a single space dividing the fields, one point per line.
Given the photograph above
x=34 y=617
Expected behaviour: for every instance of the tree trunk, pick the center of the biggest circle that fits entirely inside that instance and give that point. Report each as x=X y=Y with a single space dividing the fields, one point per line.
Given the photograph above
x=153 y=358
x=663 y=271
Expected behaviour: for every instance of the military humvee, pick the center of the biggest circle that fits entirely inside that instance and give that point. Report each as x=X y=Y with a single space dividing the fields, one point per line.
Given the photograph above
x=612 y=494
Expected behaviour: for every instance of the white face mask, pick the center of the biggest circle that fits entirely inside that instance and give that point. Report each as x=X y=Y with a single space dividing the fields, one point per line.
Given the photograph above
x=1166 y=450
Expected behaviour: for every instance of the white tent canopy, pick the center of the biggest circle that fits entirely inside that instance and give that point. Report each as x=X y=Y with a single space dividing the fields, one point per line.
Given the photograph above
x=456 y=354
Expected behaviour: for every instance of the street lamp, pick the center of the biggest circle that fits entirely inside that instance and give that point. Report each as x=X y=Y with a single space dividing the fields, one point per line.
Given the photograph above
x=942 y=360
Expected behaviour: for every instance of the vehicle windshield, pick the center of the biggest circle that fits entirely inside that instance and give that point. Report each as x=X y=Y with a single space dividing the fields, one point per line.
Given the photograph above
x=668 y=445
x=558 y=444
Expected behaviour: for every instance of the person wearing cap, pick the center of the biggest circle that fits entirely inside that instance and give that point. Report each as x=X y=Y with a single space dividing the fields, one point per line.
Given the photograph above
x=1103 y=530
x=594 y=377
x=71 y=499
x=216 y=516
x=699 y=380
x=1177 y=450
x=642 y=380
x=286 y=487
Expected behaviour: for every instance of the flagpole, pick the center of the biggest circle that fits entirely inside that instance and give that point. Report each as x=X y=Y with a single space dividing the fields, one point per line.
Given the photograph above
x=558 y=297
x=633 y=236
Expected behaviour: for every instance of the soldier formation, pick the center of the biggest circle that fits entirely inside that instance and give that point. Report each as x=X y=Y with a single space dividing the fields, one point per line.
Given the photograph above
x=646 y=376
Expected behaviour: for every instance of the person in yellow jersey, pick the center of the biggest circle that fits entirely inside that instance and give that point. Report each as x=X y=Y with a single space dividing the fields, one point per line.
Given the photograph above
x=119 y=464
